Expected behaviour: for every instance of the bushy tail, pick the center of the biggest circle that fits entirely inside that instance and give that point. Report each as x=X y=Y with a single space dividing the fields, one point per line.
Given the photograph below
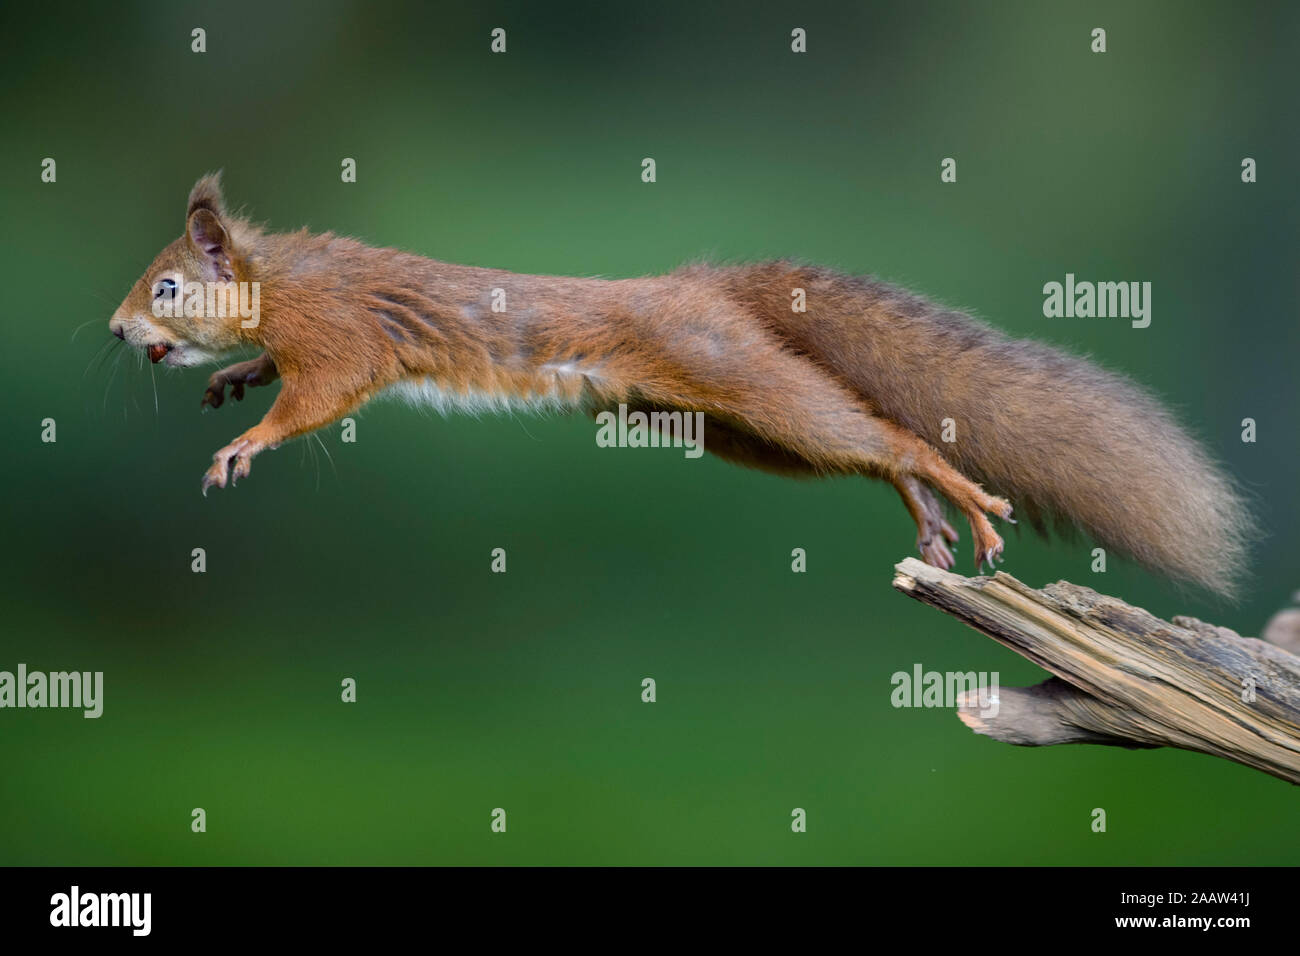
x=1058 y=436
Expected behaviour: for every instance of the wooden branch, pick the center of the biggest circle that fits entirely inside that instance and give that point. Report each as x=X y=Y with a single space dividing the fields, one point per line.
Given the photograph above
x=1122 y=676
x=1283 y=629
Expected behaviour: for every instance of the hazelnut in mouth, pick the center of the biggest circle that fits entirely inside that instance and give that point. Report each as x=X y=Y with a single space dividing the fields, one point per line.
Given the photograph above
x=156 y=352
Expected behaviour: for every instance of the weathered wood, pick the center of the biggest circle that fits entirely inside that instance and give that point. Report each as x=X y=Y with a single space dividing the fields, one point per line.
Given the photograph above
x=1123 y=676
x=1283 y=629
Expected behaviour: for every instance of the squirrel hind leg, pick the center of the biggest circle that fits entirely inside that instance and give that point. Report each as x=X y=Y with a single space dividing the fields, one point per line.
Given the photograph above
x=916 y=462
x=933 y=533
x=816 y=420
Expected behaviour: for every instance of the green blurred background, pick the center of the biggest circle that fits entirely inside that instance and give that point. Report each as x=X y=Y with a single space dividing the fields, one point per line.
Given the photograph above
x=522 y=690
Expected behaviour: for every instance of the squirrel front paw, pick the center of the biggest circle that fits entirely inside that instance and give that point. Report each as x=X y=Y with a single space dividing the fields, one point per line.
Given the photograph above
x=235 y=460
x=255 y=372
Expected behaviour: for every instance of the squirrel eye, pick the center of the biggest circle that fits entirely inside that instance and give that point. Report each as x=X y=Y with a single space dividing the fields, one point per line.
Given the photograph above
x=164 y=289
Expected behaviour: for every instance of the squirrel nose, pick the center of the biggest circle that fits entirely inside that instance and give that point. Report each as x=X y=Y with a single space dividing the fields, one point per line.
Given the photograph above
x=119 y=333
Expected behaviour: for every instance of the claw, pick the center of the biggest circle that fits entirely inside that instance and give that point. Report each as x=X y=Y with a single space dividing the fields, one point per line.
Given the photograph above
x=990 y=556
x=231 y=463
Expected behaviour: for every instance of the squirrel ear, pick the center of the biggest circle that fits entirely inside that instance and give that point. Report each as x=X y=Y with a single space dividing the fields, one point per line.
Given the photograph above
x=206 y=194
x=209 y=239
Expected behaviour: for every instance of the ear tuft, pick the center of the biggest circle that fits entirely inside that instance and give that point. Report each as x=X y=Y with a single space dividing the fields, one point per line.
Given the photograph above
x=209 y=239
x=206 y=194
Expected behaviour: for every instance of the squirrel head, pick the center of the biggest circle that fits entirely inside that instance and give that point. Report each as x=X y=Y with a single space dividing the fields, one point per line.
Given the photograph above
x=195 y=301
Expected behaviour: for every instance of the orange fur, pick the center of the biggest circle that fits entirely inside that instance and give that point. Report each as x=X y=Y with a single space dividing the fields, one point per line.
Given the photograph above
x=859 y=384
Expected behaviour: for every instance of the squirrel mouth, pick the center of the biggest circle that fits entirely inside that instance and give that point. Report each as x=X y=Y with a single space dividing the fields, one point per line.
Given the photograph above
x=156 y=352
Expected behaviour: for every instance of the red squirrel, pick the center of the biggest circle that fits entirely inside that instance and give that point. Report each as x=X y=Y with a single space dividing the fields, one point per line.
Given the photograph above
x=869 y=380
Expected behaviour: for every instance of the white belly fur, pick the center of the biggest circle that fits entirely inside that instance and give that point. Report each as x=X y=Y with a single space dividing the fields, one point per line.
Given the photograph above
x=426 y=393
